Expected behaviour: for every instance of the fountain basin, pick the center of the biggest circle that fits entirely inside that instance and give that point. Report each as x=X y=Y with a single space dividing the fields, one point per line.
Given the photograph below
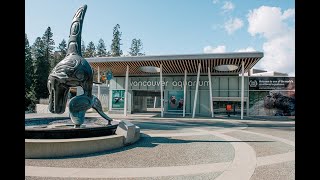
x=52 y=148
x=63 y=128
x=53 y=138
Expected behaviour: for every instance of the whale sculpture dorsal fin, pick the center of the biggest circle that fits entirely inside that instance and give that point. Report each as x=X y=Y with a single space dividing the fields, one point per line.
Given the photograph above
x=74 y=44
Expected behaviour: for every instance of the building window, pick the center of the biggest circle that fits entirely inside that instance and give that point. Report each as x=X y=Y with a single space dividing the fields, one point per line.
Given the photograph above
x=150 y=102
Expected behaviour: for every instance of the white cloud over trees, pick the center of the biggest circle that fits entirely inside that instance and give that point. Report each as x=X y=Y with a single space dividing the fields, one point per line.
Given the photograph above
x=279 y=47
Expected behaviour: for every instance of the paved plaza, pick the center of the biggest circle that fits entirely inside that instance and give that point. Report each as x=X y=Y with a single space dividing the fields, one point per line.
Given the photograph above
x=184 y=148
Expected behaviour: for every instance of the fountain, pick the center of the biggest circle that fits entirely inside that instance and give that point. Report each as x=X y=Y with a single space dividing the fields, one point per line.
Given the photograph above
x=49 y=137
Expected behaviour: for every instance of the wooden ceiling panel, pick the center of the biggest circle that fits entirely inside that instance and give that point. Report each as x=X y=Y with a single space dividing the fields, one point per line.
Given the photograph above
x=175 y=66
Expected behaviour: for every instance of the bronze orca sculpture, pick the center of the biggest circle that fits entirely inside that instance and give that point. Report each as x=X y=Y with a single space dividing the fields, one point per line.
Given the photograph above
x=73 y=71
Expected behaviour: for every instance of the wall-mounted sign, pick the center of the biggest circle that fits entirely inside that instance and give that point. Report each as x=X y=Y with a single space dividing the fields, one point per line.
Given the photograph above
x=271 y=83
x=117 y=98
x=176 y=101
x=272 y=96
x=109 y=75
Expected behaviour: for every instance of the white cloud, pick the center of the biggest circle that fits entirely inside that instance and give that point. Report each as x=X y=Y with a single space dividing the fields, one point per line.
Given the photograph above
x=233 y=24
x=279 y=47
x=266 y=21
x=228 y=6
x=248 y=49
x=218 y=49
x=215 y=1
x=288 y=14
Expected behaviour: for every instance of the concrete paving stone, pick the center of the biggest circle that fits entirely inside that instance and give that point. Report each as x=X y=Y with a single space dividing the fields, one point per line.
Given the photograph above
x=285 y=133
x=206 y=176
x=262 y=145
x=281 y=171
x=185 y=150
x=166 y=131
x=151 y=152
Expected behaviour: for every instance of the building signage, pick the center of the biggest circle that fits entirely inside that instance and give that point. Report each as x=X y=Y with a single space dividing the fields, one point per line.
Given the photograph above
x=176 y=101
x=109 y=75
x=165 y=83
x=117 y=98
x=271 y=83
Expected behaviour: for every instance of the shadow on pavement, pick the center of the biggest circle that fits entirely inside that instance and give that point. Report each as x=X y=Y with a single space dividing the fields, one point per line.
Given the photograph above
x=158 y=125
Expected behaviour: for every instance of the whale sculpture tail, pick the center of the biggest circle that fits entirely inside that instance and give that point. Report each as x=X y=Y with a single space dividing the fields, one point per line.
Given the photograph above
x=74 y=44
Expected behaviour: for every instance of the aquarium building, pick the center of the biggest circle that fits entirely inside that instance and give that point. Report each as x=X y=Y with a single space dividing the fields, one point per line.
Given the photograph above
x=187 y=85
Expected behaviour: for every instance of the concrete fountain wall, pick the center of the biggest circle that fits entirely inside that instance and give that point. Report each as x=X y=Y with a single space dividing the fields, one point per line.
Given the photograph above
x=126 y=134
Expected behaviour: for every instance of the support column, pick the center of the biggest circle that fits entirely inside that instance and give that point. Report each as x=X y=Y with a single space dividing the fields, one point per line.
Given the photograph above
x=98 y=85
x=247 y=106
x=196 y=93
x=242 y=88
x=126 y=92
x=184 y=92
x=210 y=91
x=155 y=102
x=98 y=74
x=161 y=90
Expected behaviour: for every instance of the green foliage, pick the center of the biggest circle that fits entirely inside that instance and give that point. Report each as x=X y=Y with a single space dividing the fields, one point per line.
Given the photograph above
x=136 y=48
x=48 y=43
x=90 y=51
x=115 y=46
x=60 y=54
x=41 y=69
x=108 y=54
x=63 y=48
x=101 y=49
x=28 y=65
x=30 y=98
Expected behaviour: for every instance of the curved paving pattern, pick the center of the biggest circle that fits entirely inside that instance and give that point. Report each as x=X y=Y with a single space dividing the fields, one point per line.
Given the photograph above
x=241 y=165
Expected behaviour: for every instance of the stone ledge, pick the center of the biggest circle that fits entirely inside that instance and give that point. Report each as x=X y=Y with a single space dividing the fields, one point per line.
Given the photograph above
x=130 y=132
x=42 y=148
x=126 y=134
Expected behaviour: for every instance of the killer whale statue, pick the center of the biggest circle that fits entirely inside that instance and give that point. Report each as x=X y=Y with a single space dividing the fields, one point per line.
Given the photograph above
x=74 y=71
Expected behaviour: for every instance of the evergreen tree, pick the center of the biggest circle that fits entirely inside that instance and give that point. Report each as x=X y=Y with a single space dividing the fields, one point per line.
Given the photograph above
x=30 y=99
x=101 y=49
x=28 y=65
x=90 y=50
x=48 y=43
x=63 y=48
x=115 y=46
x=60 y=54
x=41 y=69
x=136 y=47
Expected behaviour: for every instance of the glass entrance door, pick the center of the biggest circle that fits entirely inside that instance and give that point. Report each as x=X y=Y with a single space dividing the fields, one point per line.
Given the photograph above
x=146 y=101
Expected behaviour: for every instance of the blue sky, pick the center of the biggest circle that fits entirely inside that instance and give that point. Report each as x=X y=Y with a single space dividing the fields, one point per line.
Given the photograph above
x=177 y=26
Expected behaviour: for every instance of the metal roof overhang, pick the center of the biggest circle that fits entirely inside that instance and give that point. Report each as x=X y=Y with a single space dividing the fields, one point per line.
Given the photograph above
x=176 y=64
